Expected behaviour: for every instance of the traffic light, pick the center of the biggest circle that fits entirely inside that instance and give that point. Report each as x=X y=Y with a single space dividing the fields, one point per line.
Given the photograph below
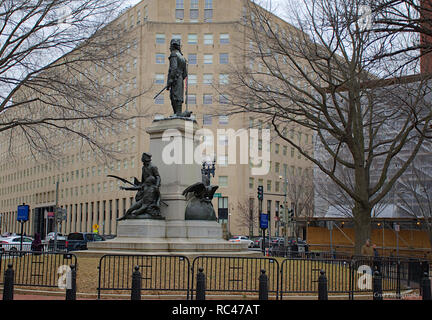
x=260 y=193
x=290 y=215
x=282 y=214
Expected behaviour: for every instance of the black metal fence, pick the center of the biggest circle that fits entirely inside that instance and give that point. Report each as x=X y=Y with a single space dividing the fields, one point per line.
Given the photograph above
x=158 y=272
x=240 y=275
x=236 y=274
x=37 y=269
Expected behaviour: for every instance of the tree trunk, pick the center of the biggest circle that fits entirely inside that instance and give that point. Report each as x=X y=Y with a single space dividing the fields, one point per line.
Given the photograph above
x=362 y=226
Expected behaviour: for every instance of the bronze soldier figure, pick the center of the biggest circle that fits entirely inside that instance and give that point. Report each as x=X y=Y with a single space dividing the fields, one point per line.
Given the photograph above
x=147 y=199
x=175 y=81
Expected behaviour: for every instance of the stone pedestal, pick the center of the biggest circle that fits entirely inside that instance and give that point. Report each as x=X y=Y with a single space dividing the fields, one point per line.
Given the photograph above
x=172 y=145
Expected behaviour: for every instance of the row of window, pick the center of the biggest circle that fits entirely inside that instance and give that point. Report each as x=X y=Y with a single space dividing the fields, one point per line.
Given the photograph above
x=193 y=60
x=68 y=177
x=192 y=99
x=192 y=38
x=278 y=185
x=194 y=10
x=192 y=79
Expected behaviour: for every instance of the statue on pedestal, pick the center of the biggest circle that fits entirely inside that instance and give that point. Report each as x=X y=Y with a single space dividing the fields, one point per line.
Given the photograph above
x=177 y=73
x=148 y=199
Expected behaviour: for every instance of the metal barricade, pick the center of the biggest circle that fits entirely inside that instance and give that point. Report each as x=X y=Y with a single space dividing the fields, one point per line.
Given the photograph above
x=159 y=273
x=236 y=274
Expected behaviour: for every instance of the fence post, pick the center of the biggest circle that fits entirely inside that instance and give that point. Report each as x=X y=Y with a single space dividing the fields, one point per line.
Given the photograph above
x=71 y=284
x=398 y=279
x=377 y=285
x=201 y=285
x=8 y=286
x=426 y=287
x=351 y=279
x=263 y=286
x=136 y=284
x=322 y=286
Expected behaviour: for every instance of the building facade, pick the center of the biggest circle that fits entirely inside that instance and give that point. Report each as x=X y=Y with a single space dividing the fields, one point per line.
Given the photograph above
x=211 y=34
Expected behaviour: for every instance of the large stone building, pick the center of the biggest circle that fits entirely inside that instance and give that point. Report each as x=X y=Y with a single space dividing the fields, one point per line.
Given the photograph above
x=211 y=34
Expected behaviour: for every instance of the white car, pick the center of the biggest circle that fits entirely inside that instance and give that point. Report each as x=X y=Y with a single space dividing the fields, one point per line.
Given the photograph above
x=13 y=244
x=242 y=239
x=51 y=236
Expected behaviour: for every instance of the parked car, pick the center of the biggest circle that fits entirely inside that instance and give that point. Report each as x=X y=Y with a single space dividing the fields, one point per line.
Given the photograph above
x=13 y=244
x=258 y=242
x=79 y=240
x=242 y=239
x=51 y=236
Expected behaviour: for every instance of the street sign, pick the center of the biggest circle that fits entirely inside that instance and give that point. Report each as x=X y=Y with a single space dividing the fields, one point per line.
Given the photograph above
x=396 y=227
x=264 y=217
x=95 y=228
x=218 y=195
x=23 y=213
x=61 y=214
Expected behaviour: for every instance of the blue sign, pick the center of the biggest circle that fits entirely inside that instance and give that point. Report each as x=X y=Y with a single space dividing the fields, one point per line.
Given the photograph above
x=23 y=213
x=264 y=218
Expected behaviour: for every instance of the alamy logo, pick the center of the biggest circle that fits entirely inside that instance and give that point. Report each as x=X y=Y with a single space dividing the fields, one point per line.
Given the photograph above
x=364 y=282
x=65 y=279
x=365 y=20
x=190 y=151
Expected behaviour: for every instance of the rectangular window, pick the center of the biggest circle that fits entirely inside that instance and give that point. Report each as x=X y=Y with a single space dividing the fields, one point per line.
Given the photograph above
x=160 y=38
x=251 y=183
x=223 y=58
x=208 y=78
x=159 y=78
x=192 y=38
x=269 y=185
x=223 y=99
x=208 y=38
x=207 y=119
x=224 y=38
x=191 y=98
x=194 y=11
x=207 y=99
x=192 y=58
x=192 y=79
x=194 y=4
x=159 y=99
x=208 y=59
x=223 y=160
x=176 y=36
x=208 y=11
x=223 y=78
x=223 y=181
x=223 y=140
x=160 y=58
x=223 y=119
x=179 y=13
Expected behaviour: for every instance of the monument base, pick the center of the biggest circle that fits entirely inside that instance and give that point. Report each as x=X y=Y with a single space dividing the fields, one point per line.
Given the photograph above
x=162 y=236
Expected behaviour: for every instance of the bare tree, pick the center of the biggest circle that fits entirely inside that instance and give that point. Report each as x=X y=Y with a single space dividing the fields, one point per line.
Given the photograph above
x=247 y=217
x=60 y=77
x=414 y=193
x=330 y=74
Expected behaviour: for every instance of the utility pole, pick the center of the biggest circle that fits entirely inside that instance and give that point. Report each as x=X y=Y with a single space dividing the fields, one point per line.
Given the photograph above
x=55 y=217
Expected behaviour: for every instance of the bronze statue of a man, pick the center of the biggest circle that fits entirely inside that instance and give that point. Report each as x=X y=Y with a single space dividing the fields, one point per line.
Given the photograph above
x=176 y=74
x=147 y=199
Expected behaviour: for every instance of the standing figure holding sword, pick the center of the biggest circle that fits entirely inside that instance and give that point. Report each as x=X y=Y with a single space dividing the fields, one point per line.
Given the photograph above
x=175 y=81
